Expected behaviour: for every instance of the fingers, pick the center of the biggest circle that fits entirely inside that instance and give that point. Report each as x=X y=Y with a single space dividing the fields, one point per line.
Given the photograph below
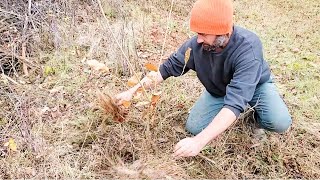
x=182 y=152
x=182 y=149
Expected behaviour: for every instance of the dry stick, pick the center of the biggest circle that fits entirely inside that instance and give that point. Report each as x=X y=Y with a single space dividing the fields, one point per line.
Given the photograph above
x=119 y=46
x=165 y=35
x=9 y=78
x=25 y=26
x=25 y=67
x=206 y=158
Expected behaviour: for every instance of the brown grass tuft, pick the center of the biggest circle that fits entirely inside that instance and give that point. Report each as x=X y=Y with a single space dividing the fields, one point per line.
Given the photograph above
x=109 y=107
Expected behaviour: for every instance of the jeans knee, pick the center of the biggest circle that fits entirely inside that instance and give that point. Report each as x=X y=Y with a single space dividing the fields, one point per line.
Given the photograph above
x=191 y=128
x=282 y=124
x=279 y=124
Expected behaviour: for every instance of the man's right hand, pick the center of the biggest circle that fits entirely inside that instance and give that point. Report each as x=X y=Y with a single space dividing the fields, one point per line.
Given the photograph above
x=151 y=79
x=124 y=96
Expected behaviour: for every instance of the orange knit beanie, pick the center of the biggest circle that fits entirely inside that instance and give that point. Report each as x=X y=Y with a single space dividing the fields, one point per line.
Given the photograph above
x=212 y=17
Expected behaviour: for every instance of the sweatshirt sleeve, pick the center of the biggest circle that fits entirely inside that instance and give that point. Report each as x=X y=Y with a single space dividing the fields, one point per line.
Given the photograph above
x=242 y=86
x=175 y=65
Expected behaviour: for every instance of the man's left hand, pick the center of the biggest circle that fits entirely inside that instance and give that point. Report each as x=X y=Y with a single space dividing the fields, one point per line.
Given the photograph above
x=187 y=147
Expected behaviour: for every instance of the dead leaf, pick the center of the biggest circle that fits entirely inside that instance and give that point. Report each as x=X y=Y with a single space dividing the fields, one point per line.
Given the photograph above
x=155 y=98
x=11 y=144
x=143 y=103
x=151 y=67
x=187 y=55
x=126 y=104
x=97 y=66
x=134 y=79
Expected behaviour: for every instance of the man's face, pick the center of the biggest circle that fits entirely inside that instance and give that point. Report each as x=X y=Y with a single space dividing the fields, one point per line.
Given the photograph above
x=212 y=42
x=207 y=39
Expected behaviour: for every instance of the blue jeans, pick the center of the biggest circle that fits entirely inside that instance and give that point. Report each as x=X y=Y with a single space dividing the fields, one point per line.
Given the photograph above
x=271 y=112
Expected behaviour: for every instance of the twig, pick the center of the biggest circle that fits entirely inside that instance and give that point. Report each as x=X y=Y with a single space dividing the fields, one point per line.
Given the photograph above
x=25 y=67
x=206 y=158
x=166 y=33
x=24 y=39
x=9 y=78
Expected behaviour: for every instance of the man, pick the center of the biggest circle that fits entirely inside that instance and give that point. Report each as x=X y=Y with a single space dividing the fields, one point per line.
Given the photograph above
x=229 y=63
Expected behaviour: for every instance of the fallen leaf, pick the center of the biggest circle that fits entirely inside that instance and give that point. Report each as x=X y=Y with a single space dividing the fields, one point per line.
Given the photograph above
x=11 y=144
x=134 y=79
x=126 y=104
x=155 y=97
x=97 y=66
x=143 y=103
x=151 y=67
x=104 y=69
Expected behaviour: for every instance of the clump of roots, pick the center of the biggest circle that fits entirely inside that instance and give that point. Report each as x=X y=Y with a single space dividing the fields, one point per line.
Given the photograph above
x=109 y=107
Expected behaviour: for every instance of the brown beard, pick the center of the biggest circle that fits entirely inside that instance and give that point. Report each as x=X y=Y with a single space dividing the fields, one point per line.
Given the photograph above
x=218 y=43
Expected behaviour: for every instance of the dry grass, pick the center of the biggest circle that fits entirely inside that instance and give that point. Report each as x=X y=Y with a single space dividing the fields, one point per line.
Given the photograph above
x=52 y=116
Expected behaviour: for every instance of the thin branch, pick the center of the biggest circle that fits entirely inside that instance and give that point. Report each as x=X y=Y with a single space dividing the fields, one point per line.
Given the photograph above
x=9 y=78
x=24 y=65
x=206 y=158
x=166 y=33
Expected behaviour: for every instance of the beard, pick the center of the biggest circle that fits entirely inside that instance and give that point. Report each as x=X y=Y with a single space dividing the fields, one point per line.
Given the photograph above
x=208 y=47
x=219 y=42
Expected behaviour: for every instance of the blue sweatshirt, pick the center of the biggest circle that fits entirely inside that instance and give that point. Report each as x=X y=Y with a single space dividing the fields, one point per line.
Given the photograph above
x=233 y=73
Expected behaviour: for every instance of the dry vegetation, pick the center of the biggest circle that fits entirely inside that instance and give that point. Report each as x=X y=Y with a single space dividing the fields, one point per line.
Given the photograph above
x=48 y=94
